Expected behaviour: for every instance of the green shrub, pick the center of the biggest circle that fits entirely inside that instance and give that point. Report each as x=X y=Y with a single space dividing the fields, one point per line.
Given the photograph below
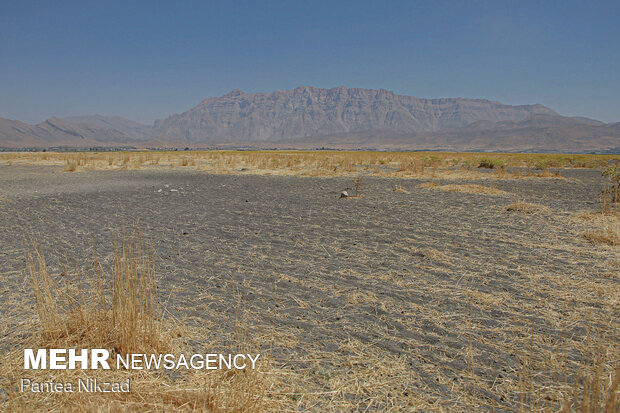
x=491 y=163
x=541 y=164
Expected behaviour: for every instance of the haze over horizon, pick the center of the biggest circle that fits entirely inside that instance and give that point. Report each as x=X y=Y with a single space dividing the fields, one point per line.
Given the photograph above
x=145 y=61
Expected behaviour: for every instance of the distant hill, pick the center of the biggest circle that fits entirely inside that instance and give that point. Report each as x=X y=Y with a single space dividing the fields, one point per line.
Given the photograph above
x=125 y=126
x=536 y=133
x=309 y=117
x=58 y=132
x=310 y=111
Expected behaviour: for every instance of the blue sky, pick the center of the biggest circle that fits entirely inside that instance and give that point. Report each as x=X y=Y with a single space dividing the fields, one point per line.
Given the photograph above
x=148 y=59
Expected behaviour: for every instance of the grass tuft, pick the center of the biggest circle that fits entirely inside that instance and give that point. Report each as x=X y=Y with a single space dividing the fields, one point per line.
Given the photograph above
x=120 y=312
x=70 y=165
x=96 y=313
x=466 y=188
x=489 y=163
x=526 y=208
x=606 y=236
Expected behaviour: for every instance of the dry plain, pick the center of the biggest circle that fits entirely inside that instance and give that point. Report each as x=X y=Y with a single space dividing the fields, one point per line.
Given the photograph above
x=429 y=291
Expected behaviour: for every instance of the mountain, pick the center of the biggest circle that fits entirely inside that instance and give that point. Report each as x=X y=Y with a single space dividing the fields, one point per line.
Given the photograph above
x=117 y=123
x=309 y=117
x=536 y=133
x=310 y=111
x=14 y=134
x=58 y=132
x=588 y=121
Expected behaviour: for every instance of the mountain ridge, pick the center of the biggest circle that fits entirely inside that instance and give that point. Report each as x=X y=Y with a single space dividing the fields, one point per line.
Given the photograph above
x=58 y=132
x=311 y=111
x=308 y=117
x=537 y=133
x=119 y=123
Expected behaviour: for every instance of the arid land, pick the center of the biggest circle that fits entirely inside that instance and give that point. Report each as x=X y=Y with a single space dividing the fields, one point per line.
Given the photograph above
x=436 y=286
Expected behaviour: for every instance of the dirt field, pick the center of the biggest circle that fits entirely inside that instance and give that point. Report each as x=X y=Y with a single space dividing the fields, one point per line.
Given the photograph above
x=405 y=298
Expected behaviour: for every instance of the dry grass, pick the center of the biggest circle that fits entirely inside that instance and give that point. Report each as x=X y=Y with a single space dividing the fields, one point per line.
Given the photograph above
x=596 y=386
x=444 y=165
x=527 y=208
x=79 y=313
x=566 y=375
x=608 y=237
x=465 y=188
x=556 y=369
x=601 y=228
x=120 y=313
x=70 y=165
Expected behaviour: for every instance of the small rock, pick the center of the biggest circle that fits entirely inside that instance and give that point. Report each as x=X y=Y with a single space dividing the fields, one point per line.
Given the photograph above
x=344 y=194
x=174 y=190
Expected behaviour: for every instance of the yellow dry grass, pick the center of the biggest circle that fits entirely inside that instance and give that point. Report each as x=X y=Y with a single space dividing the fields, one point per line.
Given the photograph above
x=608 y=237
x=465 y=188
x=444 y=165
x=603 y=228
x=127 y=324
x=526 y=208
x=119 y=313
x=544 y=369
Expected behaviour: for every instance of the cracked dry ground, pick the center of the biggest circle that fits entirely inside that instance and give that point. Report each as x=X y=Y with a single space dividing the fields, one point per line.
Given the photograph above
x=396 y=300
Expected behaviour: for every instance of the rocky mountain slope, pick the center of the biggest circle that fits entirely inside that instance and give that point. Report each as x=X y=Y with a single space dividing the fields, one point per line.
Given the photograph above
x=125 y=126
x=58 y=132
x=536 y=133
x=309 y=117
x=310 y=111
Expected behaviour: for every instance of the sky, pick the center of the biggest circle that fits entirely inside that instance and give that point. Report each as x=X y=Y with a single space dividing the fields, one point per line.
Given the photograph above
x=146 y=60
